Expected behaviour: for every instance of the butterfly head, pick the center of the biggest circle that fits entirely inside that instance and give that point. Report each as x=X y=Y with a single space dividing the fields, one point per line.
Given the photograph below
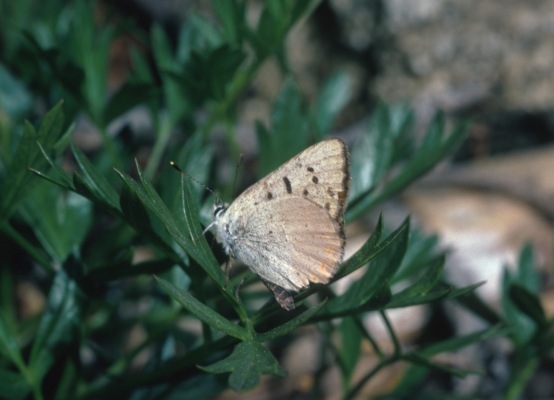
x=219 y=208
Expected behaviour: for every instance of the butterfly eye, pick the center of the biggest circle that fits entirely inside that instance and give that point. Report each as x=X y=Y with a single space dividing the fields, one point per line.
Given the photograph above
x=219 y=209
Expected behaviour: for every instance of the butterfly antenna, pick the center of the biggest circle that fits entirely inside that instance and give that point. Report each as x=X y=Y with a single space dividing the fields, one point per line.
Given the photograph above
x=176 y=166
x=218 y=199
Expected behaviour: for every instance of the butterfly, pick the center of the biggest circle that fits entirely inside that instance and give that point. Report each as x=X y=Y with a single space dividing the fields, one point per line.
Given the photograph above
x=288 y=228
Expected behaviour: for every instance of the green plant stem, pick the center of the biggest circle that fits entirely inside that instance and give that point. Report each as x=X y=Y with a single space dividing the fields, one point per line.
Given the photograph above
x=354 y=391
x=394 y=338
x=524 y=370
x=28 y=247
x=367 y=336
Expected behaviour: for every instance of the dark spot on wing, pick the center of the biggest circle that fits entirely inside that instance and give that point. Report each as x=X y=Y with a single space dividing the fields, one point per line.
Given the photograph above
x=269 y=195
x=314 y=179
x=341 y=195
x=270 y=232
x=327 y=206
x=305 y=192
x=310 y=169
x=287 y=184
x=330 y=191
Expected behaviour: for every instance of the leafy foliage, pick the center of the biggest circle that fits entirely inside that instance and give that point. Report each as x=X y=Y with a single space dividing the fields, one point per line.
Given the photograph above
x=81 y=218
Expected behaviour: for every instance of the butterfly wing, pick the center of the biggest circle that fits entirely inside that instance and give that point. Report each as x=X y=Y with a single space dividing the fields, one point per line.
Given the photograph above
x=320 y=174
x=290 y=243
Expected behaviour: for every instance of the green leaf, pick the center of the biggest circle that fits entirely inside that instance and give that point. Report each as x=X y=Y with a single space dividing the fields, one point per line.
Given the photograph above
x=62 y=179
x=14 y=385
x=247 y=363
x=150 y=199
x=433 y=149
x=333 y=98
x=127 y=97
x=422 y=251
x=529 y=304
x=459 y=342
x=522 y=326
x=479 y=308
x=231 y=14
x=9 y=347
x=137 y=216
x=221 y=66
x=416 y=292
x=372 y=154
x=369 y=250
x=201 y=251
x=527 y=274
x=290 y=325
x=203 y=312
x=57 y=324
x=16 y=184
x=350 y=348
x=289 y=134
x=377 y=276
x=424 y=362
x=93 y=185
x=60 y=220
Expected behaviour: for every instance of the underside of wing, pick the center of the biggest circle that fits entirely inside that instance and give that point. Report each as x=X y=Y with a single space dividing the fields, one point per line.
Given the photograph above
x=291 y=242
x=319 y=174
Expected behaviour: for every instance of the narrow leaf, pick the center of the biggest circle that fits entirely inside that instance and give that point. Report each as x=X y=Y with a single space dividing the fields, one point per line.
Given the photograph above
x=203 y=312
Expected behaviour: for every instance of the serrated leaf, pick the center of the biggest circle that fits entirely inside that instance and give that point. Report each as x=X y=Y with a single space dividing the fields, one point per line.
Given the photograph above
x=16 y=184
x=196 y=241
x=435 y=147
x=420 y=288
x=137 y=216
x=203 y=312
x=377 y=276
x=247 y=363
x=95 y=183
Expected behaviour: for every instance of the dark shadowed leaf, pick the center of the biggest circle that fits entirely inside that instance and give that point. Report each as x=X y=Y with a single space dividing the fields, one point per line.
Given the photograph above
x=247 y=363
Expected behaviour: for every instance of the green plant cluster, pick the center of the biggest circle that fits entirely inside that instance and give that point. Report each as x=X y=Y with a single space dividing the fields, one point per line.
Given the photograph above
x=73 y=232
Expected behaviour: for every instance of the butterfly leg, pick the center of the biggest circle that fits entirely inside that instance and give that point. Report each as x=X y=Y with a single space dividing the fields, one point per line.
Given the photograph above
x=237 y=290
x=227 y=269
x=283 y=297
